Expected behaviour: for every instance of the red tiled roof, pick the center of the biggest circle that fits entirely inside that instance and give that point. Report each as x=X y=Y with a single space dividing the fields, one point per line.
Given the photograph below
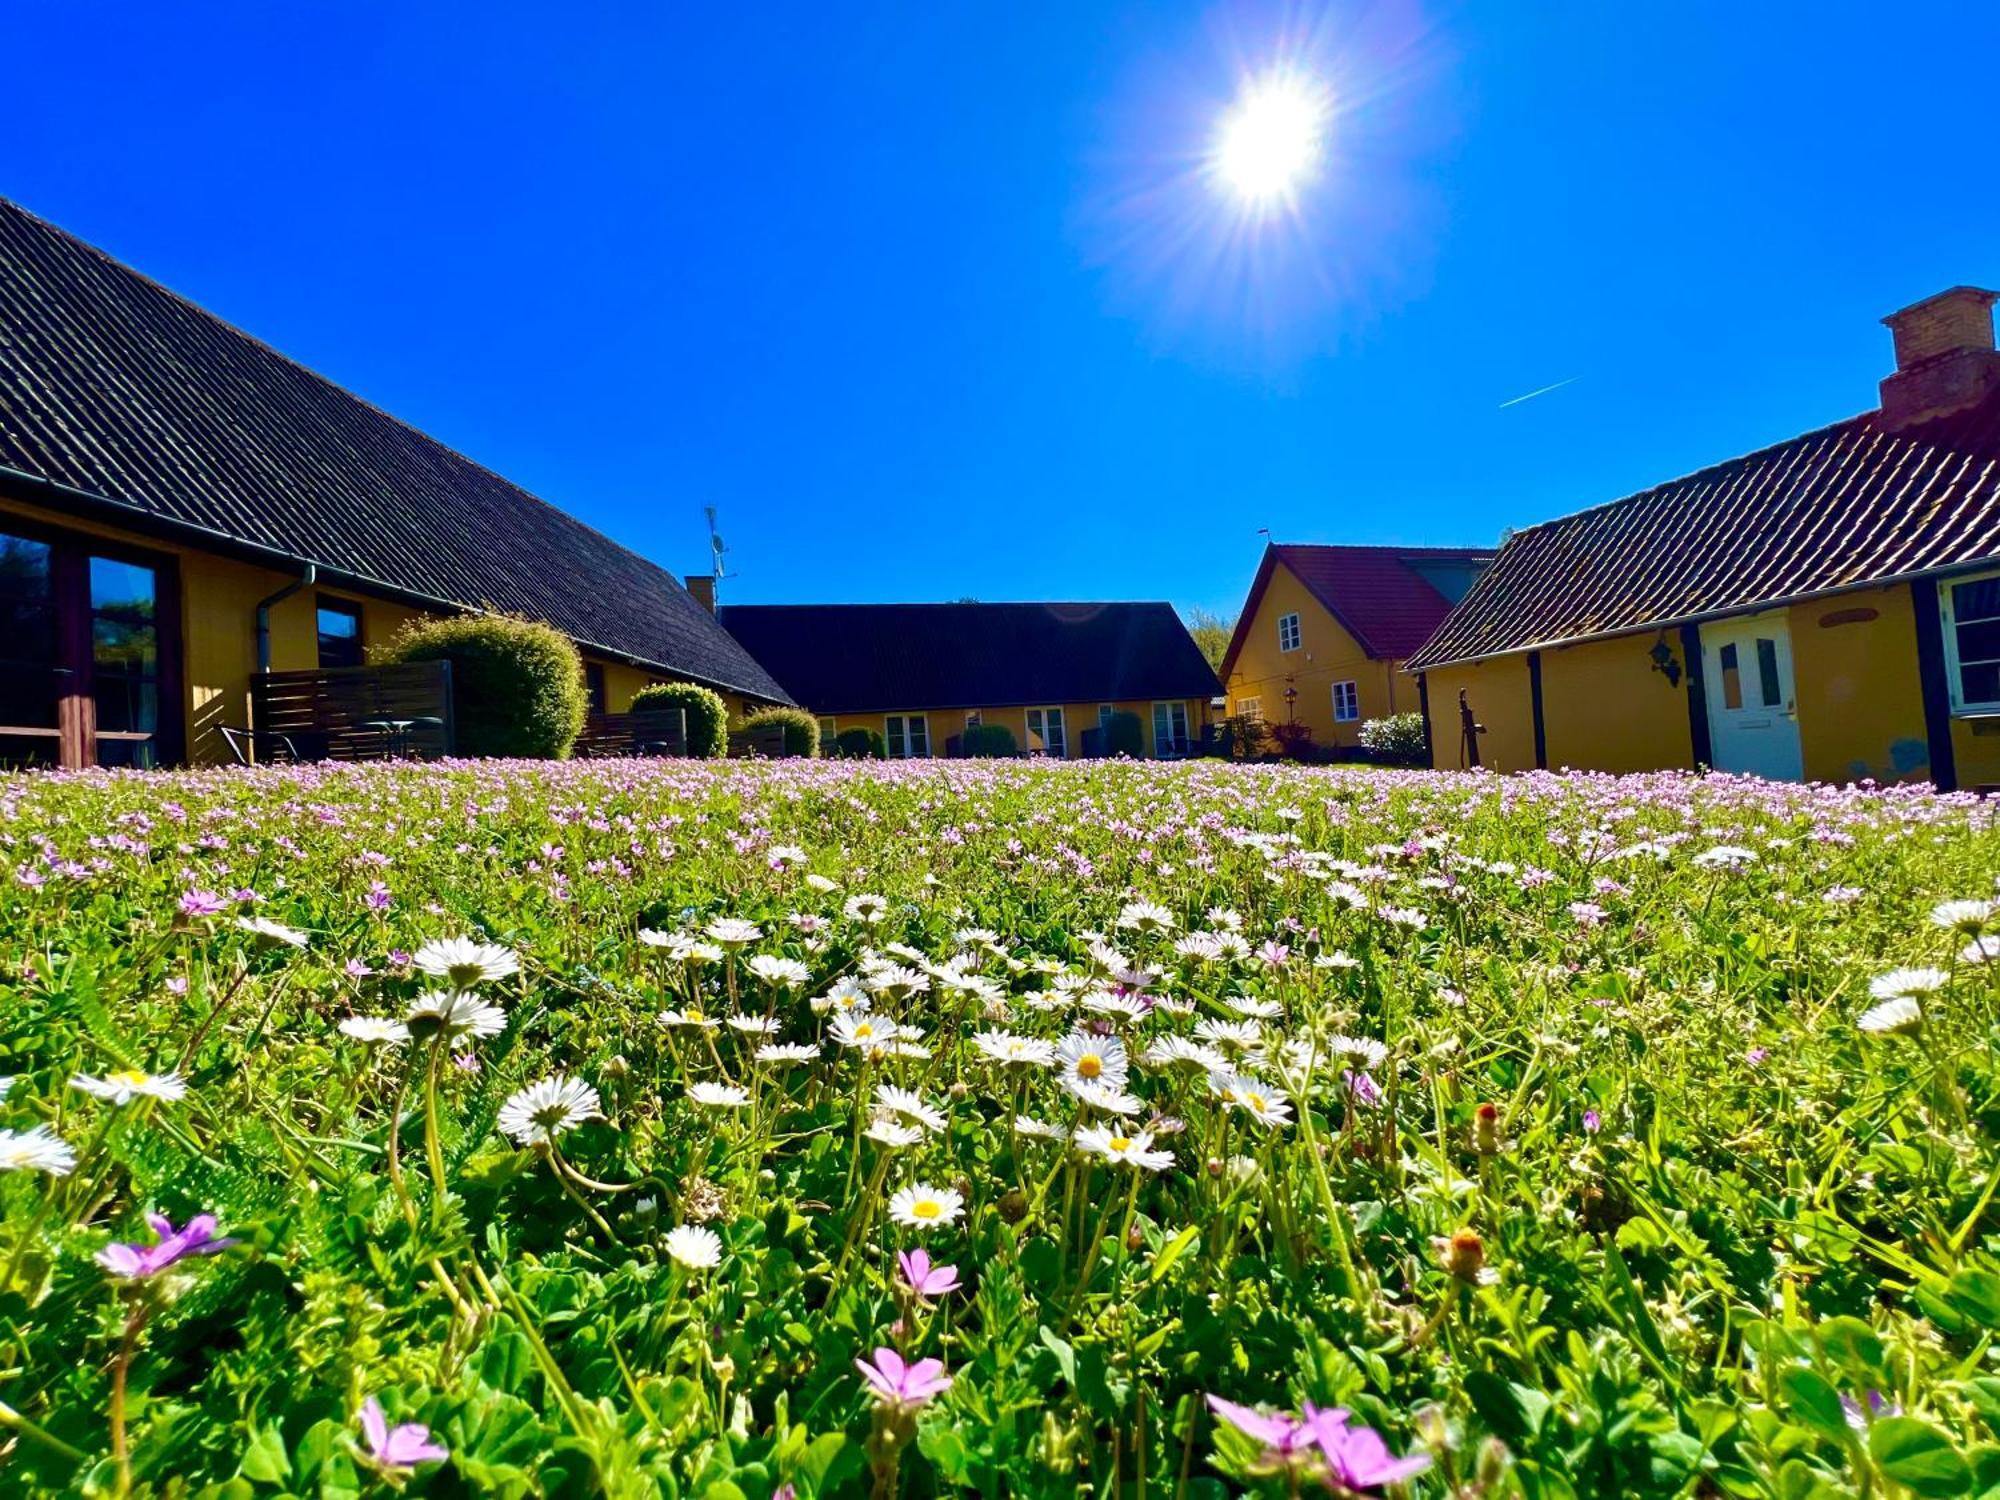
x=1376 y=593
x=1839 y=508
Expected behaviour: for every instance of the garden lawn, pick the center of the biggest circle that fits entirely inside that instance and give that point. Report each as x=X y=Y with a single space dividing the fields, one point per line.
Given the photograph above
x=831 y=1128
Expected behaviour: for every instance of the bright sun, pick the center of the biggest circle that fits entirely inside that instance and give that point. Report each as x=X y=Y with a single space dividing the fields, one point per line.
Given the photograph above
x=1270 y=141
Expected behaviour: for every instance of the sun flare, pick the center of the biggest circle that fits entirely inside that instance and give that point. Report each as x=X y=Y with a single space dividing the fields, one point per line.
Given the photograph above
x=1270 y=141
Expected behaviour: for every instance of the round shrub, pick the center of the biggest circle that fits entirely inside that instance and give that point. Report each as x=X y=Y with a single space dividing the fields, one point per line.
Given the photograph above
x=801 y=729
x=1124 y=735
x=861 y=743
x=707 y=714
x=989 y=740
x=516 y=685
x=1398 y=738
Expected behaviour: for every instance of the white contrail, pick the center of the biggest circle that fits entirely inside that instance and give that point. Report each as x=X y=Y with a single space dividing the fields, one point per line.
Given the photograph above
x=1516 y=401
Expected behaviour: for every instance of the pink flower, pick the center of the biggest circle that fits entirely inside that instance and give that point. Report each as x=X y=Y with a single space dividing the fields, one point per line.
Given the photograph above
x=923 y=1278
x=1356 y=1457
x=399 y=1449
x=1286 y=1438
x=202 y=904
x=892 y=1382
x=136 y=1262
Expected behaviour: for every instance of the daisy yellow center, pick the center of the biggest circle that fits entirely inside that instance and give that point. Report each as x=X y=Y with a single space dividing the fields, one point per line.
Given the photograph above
x=1255 y=1101
x=1120 y=1143
x=1089 y=1067
x=131 y=1076
x=926 y=1208
x=864 y=1029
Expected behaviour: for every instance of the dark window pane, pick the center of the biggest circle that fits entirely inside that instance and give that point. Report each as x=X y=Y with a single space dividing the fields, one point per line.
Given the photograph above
x=1977 y=600
x=28 y=695
x=1732 y=678
x=1979 y=684
x=1979 y=642
x=27 y=602
x=1767 y=671
x=127 y=705
x=124 y=636
x=339 y=636
x=138 y=755
x=593 y=682
x=21 y=752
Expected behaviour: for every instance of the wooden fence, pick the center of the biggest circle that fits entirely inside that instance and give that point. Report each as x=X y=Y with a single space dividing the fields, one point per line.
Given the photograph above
x=357 y=713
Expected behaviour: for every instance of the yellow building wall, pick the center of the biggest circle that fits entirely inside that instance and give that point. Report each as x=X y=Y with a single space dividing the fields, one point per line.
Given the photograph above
x=1605 y=708
x=947 y=723
x=1860 y=700
x=1498 y=694
x=1326 y=654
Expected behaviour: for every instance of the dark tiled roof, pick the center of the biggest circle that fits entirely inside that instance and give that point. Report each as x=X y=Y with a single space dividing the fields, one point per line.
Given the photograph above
x=113 y=386
x=1380 y=595
x=861 y=658
x=1848 y=505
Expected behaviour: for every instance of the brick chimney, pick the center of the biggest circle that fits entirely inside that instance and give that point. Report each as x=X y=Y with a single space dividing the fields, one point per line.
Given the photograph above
x=702 y=587
x=1945 y=359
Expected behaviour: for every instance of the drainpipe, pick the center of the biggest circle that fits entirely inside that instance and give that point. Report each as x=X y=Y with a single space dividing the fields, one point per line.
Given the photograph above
x=304 y=581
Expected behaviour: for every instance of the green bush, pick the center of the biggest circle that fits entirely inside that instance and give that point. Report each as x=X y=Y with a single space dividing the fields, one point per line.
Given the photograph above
x=1399 y=737
x=985 y=741
x=1243 y=737
x=861 y=743
x=1124 y=734
x=516 y=685
x=707 y=714
x=801 y=729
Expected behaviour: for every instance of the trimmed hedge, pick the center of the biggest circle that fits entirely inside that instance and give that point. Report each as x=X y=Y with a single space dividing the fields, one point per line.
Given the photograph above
x=516 y=685
x=989 y=740
x=862 y=743
x=1124 y=734
x=707 y=714
x=801 y=729
x=1397 y=737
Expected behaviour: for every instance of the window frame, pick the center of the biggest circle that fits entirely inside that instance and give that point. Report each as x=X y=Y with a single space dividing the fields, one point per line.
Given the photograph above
x=1296 y=633
x=1056 y=747
x=1948 y=623
x=1249 y=708
x=329 y=604
x=898 y=738
x=1182 y=741
x=1352 y=713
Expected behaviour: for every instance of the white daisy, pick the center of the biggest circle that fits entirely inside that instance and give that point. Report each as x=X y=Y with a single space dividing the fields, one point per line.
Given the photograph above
x=1006 y=1048
x=757 y=1025
x=1180 y=1052
x=846 y=993
x=272 y=934
x=127 y=1084
x=721 y=1095
x=1264 y=1104
x=1146 y=916
x=865 y=908
x=822 y=883
x=1963 y=916
x=1362 y=1051
x=1135 y=1150
x=787 y=1052
x=1981 y=950
x=1901 y=1016
x=375 y=1029
x=543 y=1112
x=1907 y=982
x=1726 y=857
x=464 y=962
x=786 y=972
x=889 y=1131
x=454 y=1014
x=1108 y=1097
x=691 y=1016
x=1260 y=1010
x=694 y=1248
x=1028 y=1125
x=733 y=932
x=1118 y=1004
x=921 y=1206
x=909 y=1105
x=860 y=1028
x=1088 y=1059
x=896 y=982
x=1230 y=1036
x=36 y=1150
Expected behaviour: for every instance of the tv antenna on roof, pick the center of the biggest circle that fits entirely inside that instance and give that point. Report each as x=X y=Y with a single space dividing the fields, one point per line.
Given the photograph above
x=715 y=549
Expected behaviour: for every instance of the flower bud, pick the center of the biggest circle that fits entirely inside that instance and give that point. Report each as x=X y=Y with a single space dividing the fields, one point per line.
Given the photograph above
x=1486 y=1130
x=618 y=1067
x=1465 y=1255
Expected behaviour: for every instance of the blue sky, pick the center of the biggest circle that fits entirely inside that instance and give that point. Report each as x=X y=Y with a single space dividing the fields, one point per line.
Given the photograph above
x=934 y=301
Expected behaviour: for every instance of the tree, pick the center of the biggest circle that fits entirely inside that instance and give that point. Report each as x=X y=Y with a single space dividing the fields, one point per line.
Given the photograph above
x=1211 y=632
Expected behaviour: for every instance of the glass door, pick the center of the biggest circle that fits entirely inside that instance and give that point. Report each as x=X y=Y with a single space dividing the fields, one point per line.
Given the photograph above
x=86 y=655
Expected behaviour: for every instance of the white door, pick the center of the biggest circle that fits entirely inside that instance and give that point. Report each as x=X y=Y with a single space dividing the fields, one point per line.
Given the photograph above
x=1753 y=718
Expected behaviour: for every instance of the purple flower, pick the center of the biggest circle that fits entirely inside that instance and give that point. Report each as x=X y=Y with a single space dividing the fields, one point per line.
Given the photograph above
x=202 y=904
x=1274 y=953
x=1286 y=1438
x=136 y=1262
x=1592 y=1122
x=401 y=1448
x=1361 y=1087
x=1859 y=1416
x=1756 y=1055
x=1356 y=1457
x=892 y=1382
x=923 y=1278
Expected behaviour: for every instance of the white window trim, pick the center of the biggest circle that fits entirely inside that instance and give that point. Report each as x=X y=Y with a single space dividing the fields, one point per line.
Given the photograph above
x=1297 y=634
x=1954 y=680
x=1027 y=724
x=907 y=720
x=1354 y=692
x=1250 y=708
x=1187 y=724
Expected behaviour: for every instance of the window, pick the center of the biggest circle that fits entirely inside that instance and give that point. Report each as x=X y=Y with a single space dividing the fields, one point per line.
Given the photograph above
x=1170 y=729
x=1346 y=702
x=1250 y=708
x=1045 y=733
x=909 y=736
x=593 y=684
x=972 y=718
x=339 y=634
x=1104 y=713
x=1971 y=609
x=1288 y=632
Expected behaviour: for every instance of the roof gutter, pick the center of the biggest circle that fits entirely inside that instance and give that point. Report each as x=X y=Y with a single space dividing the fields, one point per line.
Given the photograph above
x=1674 y=622
x=118 y=512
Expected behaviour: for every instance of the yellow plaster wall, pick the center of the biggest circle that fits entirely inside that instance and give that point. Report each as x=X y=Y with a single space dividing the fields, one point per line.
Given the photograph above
x=944 y=723
x=1498 y=693
x=1860 y=701
x=1326 y=654
x=1604 y=707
